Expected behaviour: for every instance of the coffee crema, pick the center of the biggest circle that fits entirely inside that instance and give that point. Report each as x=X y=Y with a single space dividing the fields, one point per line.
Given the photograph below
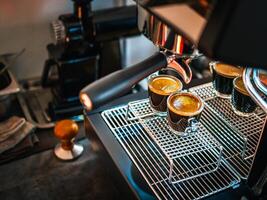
x=185 y=104
x=164 y=85
x=239 y=85
x=228 y=70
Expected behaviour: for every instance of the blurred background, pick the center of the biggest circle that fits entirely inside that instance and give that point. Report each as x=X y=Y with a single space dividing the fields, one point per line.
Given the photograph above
x=25 y=24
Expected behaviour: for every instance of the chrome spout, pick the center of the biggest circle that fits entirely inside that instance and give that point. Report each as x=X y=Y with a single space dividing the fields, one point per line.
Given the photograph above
x=181 y=65
x=258 y=83
x=253 y=88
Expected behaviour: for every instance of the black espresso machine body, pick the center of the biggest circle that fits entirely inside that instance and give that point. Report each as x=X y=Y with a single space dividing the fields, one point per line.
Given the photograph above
x=229 y=31
x=240 y=142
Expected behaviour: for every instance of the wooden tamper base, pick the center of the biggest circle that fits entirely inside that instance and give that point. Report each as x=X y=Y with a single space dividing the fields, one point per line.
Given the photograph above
x=66 y=131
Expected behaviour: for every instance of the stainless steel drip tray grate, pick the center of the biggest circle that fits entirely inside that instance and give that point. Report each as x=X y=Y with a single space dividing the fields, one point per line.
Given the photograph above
x=243 y=125
x=236 y=137
x=204 y=91
x=239 y=136
x=189 y=157
x=246 y=130
x=154 y=165
x=176 y=146
x=139 y=109
x=195 y=166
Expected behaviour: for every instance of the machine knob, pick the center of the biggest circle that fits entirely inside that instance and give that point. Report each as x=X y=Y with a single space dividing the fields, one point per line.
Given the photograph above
x=66 y=131
x=58 y=32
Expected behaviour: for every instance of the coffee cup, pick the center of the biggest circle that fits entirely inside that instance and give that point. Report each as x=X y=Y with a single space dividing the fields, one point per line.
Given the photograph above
x=184 y=111
x=159 y=89
x=242 y=103
x=223 y=76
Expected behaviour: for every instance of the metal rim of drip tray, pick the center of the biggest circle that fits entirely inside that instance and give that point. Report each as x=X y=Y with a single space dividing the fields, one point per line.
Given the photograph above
x=192 y=167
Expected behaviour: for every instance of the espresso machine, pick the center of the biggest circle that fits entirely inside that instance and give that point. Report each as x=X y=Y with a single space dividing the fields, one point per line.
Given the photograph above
x=229 y=151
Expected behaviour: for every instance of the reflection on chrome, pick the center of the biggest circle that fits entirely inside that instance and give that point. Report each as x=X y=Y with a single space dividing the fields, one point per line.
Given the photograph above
x=253 y=89
x=258 y=83
x=159 y=33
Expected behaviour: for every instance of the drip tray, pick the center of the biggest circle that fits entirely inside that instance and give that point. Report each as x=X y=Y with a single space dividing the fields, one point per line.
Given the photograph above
x=190 y=167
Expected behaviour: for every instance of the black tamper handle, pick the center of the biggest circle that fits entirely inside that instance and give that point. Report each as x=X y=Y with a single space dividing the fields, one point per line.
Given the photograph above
x=120 y=82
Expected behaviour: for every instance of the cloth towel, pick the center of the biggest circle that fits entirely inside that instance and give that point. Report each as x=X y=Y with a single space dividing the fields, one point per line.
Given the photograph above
x=10 y=126
x=13 y=131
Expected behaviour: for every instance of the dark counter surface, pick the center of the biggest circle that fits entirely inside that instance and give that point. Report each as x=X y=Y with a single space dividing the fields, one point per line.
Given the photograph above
x=42 y=176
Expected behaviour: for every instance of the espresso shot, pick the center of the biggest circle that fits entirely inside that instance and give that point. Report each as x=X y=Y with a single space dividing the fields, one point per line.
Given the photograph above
x=242 y=103
x=223 y=76
x=159 y=89
x=184 y=111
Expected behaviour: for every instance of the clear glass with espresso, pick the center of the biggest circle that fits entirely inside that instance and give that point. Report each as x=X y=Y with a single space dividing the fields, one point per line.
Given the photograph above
x=242 y=103
x=184 y=111
x=223 y=76
x=159 y=89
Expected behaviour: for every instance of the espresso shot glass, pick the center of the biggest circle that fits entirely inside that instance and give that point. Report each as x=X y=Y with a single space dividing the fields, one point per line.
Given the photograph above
x=242 y=103
x=223 y=76
x=184 y=112
x=159 y=89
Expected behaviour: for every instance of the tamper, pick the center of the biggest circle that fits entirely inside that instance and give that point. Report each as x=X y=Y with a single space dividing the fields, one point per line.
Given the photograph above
x=66 y=131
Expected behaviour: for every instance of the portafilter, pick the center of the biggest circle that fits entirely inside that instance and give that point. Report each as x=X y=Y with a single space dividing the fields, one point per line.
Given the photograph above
x=120 y=82
x=172 y=49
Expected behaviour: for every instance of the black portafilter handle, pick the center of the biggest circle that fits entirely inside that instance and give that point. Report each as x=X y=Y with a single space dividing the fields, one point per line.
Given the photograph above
x=120 y=82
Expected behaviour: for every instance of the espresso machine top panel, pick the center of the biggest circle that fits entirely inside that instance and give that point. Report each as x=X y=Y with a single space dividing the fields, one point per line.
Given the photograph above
x=229 y=31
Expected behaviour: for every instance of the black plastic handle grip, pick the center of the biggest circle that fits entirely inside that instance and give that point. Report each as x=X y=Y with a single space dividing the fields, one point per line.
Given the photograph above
x=120 y=82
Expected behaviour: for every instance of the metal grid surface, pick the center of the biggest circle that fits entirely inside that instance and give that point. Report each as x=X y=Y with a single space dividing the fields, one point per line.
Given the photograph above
x=249 y=128
x=233 y=142
x=140 y=109
x=154 y=166
x=204 y=91
x=239 y=137
x=234 y=146
x=189 y=157
x=238 y=149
